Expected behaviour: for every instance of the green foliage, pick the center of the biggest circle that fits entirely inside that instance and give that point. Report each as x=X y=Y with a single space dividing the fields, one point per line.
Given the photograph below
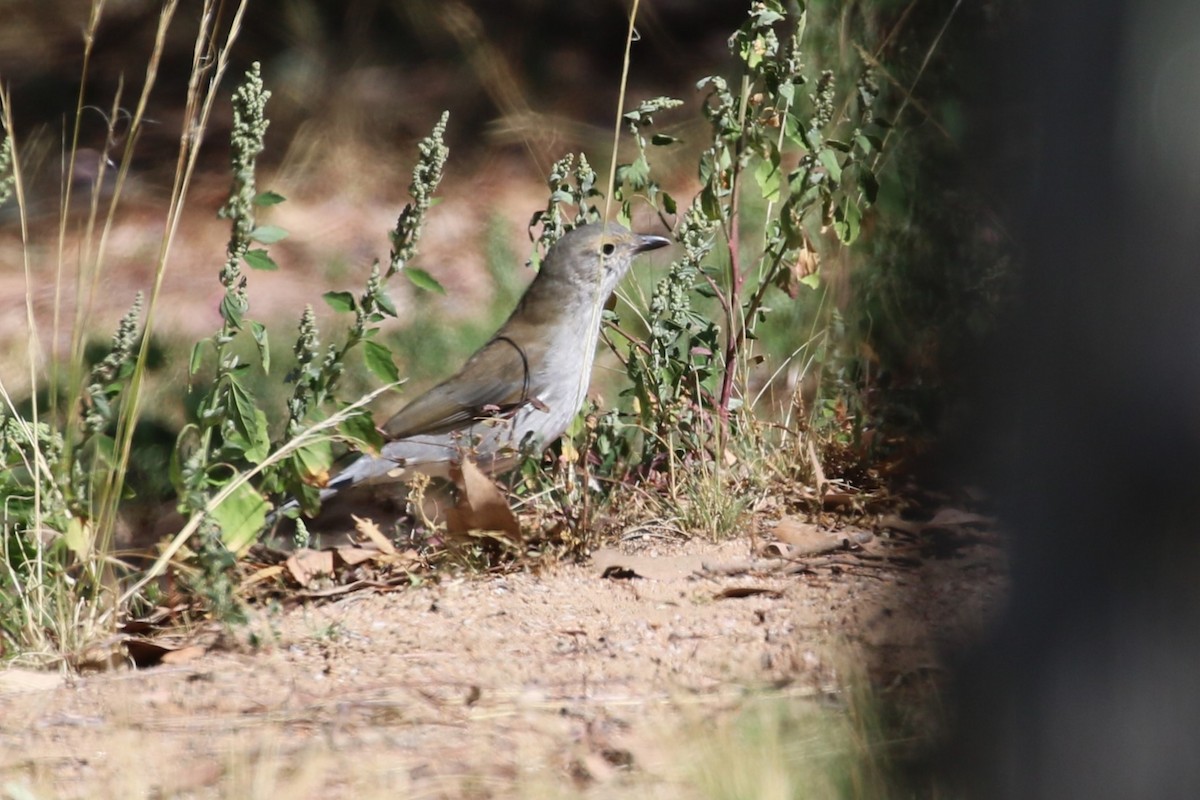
x=228 y=433
x=315 y=377
x=634 y=180
x=804 y=158
x=427 y=174
x=571 y=186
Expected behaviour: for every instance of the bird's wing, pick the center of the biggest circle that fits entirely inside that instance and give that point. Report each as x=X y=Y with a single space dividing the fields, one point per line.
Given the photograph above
x=493 y=382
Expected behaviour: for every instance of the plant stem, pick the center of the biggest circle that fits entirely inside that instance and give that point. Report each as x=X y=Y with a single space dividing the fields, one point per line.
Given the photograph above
x=736 y=277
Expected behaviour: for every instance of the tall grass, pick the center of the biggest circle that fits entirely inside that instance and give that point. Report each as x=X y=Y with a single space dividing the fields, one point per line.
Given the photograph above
x=60 y=580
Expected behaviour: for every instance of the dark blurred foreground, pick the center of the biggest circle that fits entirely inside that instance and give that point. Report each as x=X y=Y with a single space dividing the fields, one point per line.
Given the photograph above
x=1092 y=689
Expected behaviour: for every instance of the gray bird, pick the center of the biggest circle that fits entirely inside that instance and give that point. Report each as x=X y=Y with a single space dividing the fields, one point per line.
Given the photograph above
x=520 y=391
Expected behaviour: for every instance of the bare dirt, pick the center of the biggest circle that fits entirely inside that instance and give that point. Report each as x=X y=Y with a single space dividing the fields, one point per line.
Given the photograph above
x=563 y=683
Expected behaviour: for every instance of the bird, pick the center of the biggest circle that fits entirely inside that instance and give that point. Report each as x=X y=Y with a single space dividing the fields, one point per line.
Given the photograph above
x=518 y=393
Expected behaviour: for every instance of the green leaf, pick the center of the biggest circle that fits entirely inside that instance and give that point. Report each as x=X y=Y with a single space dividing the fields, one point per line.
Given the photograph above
x=268 y=199
x=767 y=174
x=78 y=538
x=259 y=332
x=361 y=431
x=260 y=438
x=379 y=360
x=268 y=234
x=312 y=462
x=257 y=445
x=637 y=174
x=340 y=301
x=197 y=358
x=232 y=310
x=258 y=259
x=829 y=160
x=240 y=517
x=710 y=204
x=847 y=221
x=241 y=410
x=668 y=203
x=385 y=302
x=793 y=129
x=812 y=280
x=870 y=185
x=423 y=280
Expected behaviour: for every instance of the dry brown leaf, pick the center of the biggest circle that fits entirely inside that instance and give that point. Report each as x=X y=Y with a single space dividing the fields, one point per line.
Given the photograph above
x=307 y=565
x=184 y=654
x=481 y=505
x=352 y=555
x=800 y=538
x=796 y=531
x=151 y=652
x=371 y=531
x=779 y=550
x=264 y=574
x=615 y=564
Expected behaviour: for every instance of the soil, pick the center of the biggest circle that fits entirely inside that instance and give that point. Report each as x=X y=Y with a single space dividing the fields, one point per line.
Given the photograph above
x=572 y=681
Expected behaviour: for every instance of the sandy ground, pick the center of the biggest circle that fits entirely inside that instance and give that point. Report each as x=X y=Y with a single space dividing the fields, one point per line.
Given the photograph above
x=556 y=684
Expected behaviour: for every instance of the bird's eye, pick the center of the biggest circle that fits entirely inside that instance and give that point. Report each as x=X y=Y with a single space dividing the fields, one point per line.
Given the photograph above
x=608 y=249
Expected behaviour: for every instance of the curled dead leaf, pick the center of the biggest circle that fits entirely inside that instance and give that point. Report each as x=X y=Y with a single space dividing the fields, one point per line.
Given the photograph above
x=481 y=505
x=371 y=532
x=307 y=565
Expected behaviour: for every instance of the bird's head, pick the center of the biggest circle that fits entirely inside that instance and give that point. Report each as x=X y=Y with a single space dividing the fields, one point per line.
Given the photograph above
x=593 y=258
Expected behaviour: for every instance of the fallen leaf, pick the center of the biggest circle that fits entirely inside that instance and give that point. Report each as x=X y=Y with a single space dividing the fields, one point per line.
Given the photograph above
x=481 y=505
x=795 y=531
x=307 y=565
x=779 y=550
x=805 y=539
x=371 y=531
x=150 y=652
x=352 y=555
x=184 y=654
x=264 y=574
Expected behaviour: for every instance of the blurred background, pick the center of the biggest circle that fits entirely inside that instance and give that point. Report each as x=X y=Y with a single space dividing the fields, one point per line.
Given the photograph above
x=355 y=85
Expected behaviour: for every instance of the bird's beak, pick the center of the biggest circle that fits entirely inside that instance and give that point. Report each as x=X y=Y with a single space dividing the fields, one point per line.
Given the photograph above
x=647 y=241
